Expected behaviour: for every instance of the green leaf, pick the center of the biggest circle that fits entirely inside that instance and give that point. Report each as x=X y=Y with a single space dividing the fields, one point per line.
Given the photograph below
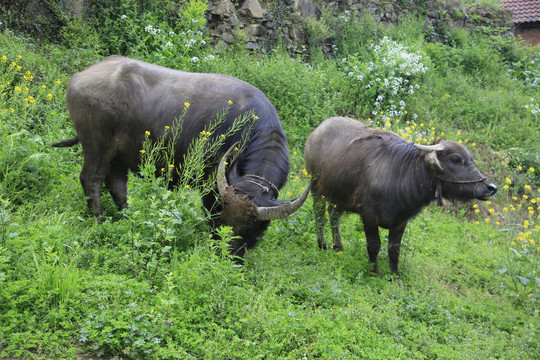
x=523 y=280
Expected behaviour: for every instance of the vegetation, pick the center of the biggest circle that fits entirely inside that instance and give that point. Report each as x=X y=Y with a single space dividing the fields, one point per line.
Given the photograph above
x=152 y=283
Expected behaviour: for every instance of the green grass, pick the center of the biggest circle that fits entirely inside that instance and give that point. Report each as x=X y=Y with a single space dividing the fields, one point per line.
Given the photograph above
x=151 y=283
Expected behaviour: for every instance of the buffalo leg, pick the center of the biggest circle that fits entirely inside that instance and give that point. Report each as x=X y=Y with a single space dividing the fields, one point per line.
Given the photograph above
x=335 y=223
x=92 y=177
x=394 y=244
x=116 y=182
x=373 y=244
x=319 y=208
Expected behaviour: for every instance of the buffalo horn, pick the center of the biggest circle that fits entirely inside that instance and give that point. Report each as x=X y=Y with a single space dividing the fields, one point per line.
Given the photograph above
x=436 y=147
x=222 y=182
x=266 y=212
x=281 y=211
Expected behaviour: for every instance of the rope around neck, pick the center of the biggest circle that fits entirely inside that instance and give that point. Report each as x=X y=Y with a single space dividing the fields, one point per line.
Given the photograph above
x=264 y=188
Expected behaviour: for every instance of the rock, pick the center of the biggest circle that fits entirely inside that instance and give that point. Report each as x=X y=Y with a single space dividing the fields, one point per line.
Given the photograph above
x=253 y=8
x=222 y=8
x=253 y=46
x=307 y=9
x=256 y=30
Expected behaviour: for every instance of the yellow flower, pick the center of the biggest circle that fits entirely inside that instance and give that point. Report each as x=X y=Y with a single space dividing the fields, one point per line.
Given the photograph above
x=171 y=166
x=49 y=96
x=167 y=127
x=28 y=76
x=230 y=102
x=487 y=220
x=488 y=202
x=147 y=133
x=519 y=167
x=58 y=82
x=531 y=169
x=526 y=224
x=527 y=187
x=506 y=187
x=505 y=209
x=4 y=58
x=142 y=151
x=18 y=57
x=186 y=104
x=255 y=117
x=17 y=88
x=475 y=206
x=508 y=181
x=491 y=211
x=187 y=186
x=43 y=87
x=476 y=211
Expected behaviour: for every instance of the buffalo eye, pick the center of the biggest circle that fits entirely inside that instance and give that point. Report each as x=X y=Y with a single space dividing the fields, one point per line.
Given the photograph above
x=456 y=160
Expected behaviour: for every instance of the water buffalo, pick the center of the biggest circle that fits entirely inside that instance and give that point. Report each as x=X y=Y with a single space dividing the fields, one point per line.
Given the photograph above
x=383 y=178
x=117 y=102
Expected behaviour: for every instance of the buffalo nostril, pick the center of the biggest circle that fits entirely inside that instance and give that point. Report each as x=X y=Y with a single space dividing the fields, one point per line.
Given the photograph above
x=492 y=189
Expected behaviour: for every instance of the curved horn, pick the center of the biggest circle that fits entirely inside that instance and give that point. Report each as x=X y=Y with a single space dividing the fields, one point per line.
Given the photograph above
x=436 y=147
x=281 y=211
x=222 y=182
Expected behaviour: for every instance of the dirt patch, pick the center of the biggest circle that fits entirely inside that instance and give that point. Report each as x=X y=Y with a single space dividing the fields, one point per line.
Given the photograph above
x=238 y=211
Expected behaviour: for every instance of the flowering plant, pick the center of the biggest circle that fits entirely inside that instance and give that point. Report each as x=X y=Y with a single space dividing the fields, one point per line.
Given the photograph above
x=390 y=72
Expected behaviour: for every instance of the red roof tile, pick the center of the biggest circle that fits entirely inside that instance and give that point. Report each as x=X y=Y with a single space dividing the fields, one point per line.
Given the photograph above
x=523 y=11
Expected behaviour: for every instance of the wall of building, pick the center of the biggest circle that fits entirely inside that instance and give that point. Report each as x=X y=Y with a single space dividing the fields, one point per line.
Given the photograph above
x=530 y=33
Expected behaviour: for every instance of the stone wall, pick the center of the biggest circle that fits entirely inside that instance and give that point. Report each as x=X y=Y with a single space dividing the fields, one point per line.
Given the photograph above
x=259 y=23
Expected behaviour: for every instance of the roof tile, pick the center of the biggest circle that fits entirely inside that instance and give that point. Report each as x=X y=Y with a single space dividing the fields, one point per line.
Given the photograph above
x=523 y=11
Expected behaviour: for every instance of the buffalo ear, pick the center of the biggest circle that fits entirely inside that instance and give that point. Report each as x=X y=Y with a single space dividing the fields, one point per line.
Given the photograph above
x=432 y=161
x=431 y=158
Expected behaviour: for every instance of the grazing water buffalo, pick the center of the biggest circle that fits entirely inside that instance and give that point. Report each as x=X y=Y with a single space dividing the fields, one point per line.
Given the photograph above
x=384 y=179
x=115 y=103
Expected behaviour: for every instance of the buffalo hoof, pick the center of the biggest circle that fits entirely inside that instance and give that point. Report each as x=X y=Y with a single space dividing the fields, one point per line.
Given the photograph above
x=338 y=248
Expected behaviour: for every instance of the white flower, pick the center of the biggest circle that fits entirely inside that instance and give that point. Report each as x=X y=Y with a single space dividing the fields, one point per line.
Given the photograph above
x=123 y=17
x=194 y=59
x=169 y=44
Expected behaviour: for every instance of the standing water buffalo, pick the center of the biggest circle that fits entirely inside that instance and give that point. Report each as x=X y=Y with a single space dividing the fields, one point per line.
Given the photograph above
x=384 y=179
x=115 y=102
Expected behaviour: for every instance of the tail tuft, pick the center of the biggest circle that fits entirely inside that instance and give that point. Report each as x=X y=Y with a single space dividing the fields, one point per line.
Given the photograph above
x=67 y=142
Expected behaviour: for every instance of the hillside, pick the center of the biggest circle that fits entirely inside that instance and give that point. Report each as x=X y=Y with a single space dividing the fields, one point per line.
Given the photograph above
x=151 y=282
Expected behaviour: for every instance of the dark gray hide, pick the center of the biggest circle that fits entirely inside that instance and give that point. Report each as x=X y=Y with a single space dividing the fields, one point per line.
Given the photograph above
x=384 y=179
x=114 y=102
